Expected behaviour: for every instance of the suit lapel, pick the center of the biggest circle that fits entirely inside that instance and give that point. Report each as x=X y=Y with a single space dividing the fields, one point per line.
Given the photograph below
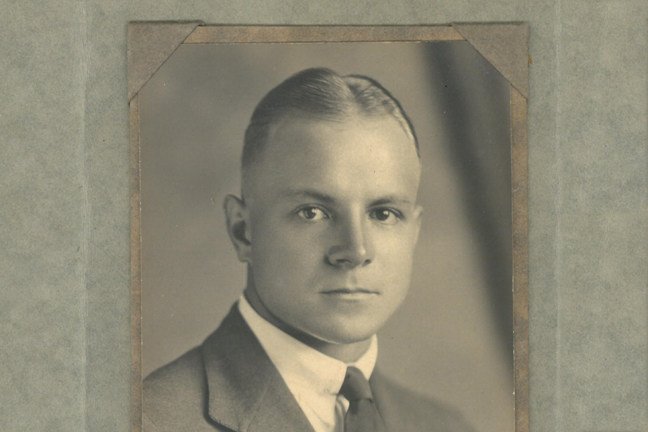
x=384 y=401
x=246 y=392
x=279 y=411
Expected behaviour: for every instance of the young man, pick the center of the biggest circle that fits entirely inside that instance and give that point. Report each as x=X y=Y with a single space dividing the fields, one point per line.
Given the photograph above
x=327 y=223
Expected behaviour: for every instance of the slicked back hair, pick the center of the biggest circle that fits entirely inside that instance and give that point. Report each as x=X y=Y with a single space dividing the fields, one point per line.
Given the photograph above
x=321 y=94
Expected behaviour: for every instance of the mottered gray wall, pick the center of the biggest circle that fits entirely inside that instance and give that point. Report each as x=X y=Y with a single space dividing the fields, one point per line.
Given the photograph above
x=64 y=200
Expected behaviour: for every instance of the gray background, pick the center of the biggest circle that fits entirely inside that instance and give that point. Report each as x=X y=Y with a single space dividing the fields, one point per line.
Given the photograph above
x=64 y=205
x=452 y=338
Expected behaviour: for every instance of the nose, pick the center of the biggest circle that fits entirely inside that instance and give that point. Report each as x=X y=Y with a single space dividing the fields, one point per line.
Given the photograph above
x=353 y=245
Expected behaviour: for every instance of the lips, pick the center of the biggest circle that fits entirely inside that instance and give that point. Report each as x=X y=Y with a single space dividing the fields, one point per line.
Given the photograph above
x=350 y=291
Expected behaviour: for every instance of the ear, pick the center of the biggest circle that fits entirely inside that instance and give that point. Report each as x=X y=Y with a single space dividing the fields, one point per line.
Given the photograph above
x=238 y=227
x=418 y=218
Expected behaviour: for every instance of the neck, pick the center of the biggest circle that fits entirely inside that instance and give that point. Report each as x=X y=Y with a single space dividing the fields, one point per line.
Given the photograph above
x=347 y=353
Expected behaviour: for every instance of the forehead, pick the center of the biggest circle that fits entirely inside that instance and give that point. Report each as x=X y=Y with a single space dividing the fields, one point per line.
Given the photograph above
x=356 y=155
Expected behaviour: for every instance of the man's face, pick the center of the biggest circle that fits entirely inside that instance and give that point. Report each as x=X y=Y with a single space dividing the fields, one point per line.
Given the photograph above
x=333 y=223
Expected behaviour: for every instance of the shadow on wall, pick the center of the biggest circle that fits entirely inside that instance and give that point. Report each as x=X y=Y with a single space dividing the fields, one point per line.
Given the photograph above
x=475 y=98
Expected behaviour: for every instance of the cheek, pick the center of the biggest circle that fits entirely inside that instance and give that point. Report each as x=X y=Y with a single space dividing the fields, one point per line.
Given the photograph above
x=282 y=255
x=396 y=253
x=398 y=245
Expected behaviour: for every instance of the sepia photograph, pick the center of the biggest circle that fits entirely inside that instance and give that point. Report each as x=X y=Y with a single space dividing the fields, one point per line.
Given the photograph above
x=326 y=239
x=324 y=216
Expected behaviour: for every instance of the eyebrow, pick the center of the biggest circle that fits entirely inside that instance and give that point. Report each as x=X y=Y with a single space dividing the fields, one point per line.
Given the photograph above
x=325 y=198
x=391 y=199
x=308 y=193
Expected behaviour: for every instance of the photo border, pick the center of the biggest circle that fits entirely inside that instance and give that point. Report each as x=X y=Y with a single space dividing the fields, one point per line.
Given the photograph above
x=504 y=45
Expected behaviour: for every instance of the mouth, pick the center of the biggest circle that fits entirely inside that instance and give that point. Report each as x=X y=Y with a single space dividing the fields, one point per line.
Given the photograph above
x=350 y=293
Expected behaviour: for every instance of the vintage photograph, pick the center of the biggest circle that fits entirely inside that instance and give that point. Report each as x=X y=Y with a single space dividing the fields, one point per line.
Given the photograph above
x=326 y=239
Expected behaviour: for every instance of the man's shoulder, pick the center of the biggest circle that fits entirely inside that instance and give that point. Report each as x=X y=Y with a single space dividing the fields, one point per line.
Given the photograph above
x=407 y=410
x=187 y=371
x=175 y=394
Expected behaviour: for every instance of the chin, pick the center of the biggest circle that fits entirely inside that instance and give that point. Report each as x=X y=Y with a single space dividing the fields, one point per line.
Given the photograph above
x=347 y=334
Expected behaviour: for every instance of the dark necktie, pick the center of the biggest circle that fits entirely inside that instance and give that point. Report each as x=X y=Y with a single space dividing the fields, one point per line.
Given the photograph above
x=362 y=415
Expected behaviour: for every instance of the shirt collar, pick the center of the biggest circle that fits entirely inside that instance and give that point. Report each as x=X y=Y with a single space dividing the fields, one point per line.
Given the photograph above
x=313 y=378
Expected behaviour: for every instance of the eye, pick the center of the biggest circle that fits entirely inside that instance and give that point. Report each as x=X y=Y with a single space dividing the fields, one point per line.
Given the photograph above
x=312 y=213
x=385 y=216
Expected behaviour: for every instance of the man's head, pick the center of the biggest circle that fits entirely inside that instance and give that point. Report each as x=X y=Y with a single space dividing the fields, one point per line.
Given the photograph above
x=328 y=219
x=320 y=94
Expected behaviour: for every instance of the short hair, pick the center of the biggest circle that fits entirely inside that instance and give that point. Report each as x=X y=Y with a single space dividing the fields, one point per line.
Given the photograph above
x=321 y=93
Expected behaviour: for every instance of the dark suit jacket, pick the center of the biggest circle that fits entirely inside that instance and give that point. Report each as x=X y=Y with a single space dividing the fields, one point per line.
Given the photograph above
x=230 y=384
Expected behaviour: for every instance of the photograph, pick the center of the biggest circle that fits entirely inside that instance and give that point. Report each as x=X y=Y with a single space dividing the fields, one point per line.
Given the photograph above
x=326 y=239
x=326 y=216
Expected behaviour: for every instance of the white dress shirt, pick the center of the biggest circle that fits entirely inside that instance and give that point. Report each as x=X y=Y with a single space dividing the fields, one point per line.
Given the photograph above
x=313 y=378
